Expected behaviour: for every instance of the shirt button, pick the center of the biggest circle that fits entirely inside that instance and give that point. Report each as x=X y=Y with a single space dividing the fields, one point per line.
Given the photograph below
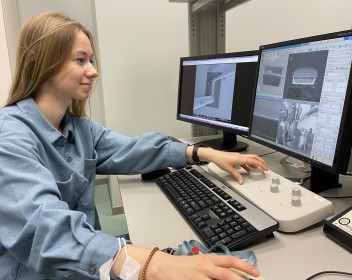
x=92 y=269
x=69 y=159
x=61 y=142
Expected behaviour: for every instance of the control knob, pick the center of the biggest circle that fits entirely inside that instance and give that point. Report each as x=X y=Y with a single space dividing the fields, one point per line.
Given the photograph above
x=296 y=191
x=275 y=180
x=296 y=201
x=257 y=174
x=274 y=188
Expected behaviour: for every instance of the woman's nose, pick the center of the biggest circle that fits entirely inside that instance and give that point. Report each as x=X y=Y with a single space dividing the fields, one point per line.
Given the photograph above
x=92 y=72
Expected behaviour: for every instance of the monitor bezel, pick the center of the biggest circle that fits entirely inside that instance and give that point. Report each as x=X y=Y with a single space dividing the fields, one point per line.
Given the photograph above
x=205 y=57
x=344 y=140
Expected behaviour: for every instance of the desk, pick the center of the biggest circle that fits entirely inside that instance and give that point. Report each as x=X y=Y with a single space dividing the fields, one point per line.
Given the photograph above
x=153 y=221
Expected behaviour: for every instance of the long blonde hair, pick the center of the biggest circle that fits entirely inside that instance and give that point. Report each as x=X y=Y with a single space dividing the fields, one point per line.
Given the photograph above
x=45 y=44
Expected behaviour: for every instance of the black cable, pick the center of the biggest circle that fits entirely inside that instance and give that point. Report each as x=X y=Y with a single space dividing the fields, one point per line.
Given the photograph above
x=330 y=197
x=330 y=272
x=303 y=180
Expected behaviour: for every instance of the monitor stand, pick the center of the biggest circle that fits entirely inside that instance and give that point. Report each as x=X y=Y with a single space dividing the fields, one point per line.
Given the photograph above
x=228 y=142
x=321 y=180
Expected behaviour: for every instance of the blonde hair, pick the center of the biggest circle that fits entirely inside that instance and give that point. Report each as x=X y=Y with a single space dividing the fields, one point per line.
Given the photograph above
x=45 y=44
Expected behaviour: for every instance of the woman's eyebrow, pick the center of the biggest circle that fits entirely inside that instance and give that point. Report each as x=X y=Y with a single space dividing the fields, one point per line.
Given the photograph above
x=83 y=53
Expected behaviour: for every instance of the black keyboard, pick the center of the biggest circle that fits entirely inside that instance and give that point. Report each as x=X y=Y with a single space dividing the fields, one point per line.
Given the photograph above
x=216 y=213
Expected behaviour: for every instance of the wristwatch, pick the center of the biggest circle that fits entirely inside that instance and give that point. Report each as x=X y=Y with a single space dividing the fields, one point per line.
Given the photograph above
x=195 y=157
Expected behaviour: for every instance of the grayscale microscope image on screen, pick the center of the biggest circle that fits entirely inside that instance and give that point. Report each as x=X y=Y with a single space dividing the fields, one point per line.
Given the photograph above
x=213 y=93
x=305 y=76
x=217 y=91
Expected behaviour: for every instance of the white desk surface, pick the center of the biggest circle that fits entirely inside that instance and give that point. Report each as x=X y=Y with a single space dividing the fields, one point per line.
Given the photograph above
x=153 y=221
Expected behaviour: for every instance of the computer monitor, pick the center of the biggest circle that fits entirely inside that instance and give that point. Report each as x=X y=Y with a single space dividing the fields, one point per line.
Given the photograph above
x=303 y=103
x=217 y=91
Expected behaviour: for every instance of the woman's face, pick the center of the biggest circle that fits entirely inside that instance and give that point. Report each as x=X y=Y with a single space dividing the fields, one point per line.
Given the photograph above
x=74 y=80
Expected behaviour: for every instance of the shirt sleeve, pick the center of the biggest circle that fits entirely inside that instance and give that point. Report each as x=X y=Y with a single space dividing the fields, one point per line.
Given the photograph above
x=121 y=154
x=38 y=230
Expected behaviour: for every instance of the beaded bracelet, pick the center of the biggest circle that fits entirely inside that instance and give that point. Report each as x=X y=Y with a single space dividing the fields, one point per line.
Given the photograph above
x=144 y=271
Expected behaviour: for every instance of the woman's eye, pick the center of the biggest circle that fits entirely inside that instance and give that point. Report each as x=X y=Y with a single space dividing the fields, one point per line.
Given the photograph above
x=80 y=60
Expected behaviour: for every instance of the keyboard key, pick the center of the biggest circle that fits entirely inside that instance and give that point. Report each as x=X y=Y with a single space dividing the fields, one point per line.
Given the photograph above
x=209 y=233
x=239 y=234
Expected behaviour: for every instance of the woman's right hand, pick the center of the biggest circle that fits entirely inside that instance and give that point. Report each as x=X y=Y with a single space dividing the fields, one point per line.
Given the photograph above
x=205 y=266
x=163 y=266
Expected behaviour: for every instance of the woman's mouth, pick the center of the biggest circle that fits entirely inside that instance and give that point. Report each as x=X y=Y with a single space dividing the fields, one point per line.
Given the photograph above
x=87 y=85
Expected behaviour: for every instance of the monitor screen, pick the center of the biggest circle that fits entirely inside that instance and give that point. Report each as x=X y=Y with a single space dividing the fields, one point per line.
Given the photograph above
x=303 y=104
x=217 y=91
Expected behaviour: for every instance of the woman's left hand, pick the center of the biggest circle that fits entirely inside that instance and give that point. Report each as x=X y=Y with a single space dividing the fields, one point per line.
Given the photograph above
x=228 y=161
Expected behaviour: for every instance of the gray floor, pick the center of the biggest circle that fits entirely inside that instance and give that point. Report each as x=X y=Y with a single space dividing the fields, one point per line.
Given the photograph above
x=111 y=224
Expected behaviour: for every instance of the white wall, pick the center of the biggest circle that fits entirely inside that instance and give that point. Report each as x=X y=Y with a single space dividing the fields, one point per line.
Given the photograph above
x=6 y=38
x=140 y=46
x=261 y=22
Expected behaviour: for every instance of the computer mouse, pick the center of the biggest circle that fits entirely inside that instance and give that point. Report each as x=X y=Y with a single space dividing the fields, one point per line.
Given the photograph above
x=155 y=174
x=245 y=276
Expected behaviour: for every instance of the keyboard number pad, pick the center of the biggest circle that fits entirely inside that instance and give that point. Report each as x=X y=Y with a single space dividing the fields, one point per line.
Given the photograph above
x=228 y=229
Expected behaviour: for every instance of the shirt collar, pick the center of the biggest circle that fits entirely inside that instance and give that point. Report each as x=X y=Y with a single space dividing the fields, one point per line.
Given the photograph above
x=67 y=125
x=28 y=107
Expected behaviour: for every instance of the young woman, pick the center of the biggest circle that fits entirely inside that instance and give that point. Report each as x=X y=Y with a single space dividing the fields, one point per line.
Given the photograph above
x=50 y=152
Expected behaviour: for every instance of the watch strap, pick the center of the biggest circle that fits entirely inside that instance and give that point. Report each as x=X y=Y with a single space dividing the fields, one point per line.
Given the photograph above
x=195 y=157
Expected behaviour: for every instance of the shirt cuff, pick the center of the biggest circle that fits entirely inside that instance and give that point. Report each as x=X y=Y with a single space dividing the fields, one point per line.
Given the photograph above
x=99 y=250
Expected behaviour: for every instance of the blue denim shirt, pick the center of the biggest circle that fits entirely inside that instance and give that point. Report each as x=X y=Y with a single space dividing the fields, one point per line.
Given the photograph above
x=47 y=182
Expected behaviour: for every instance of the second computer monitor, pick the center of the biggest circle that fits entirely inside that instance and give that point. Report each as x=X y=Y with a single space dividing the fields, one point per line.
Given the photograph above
x=303 y=103
x=217 y=91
